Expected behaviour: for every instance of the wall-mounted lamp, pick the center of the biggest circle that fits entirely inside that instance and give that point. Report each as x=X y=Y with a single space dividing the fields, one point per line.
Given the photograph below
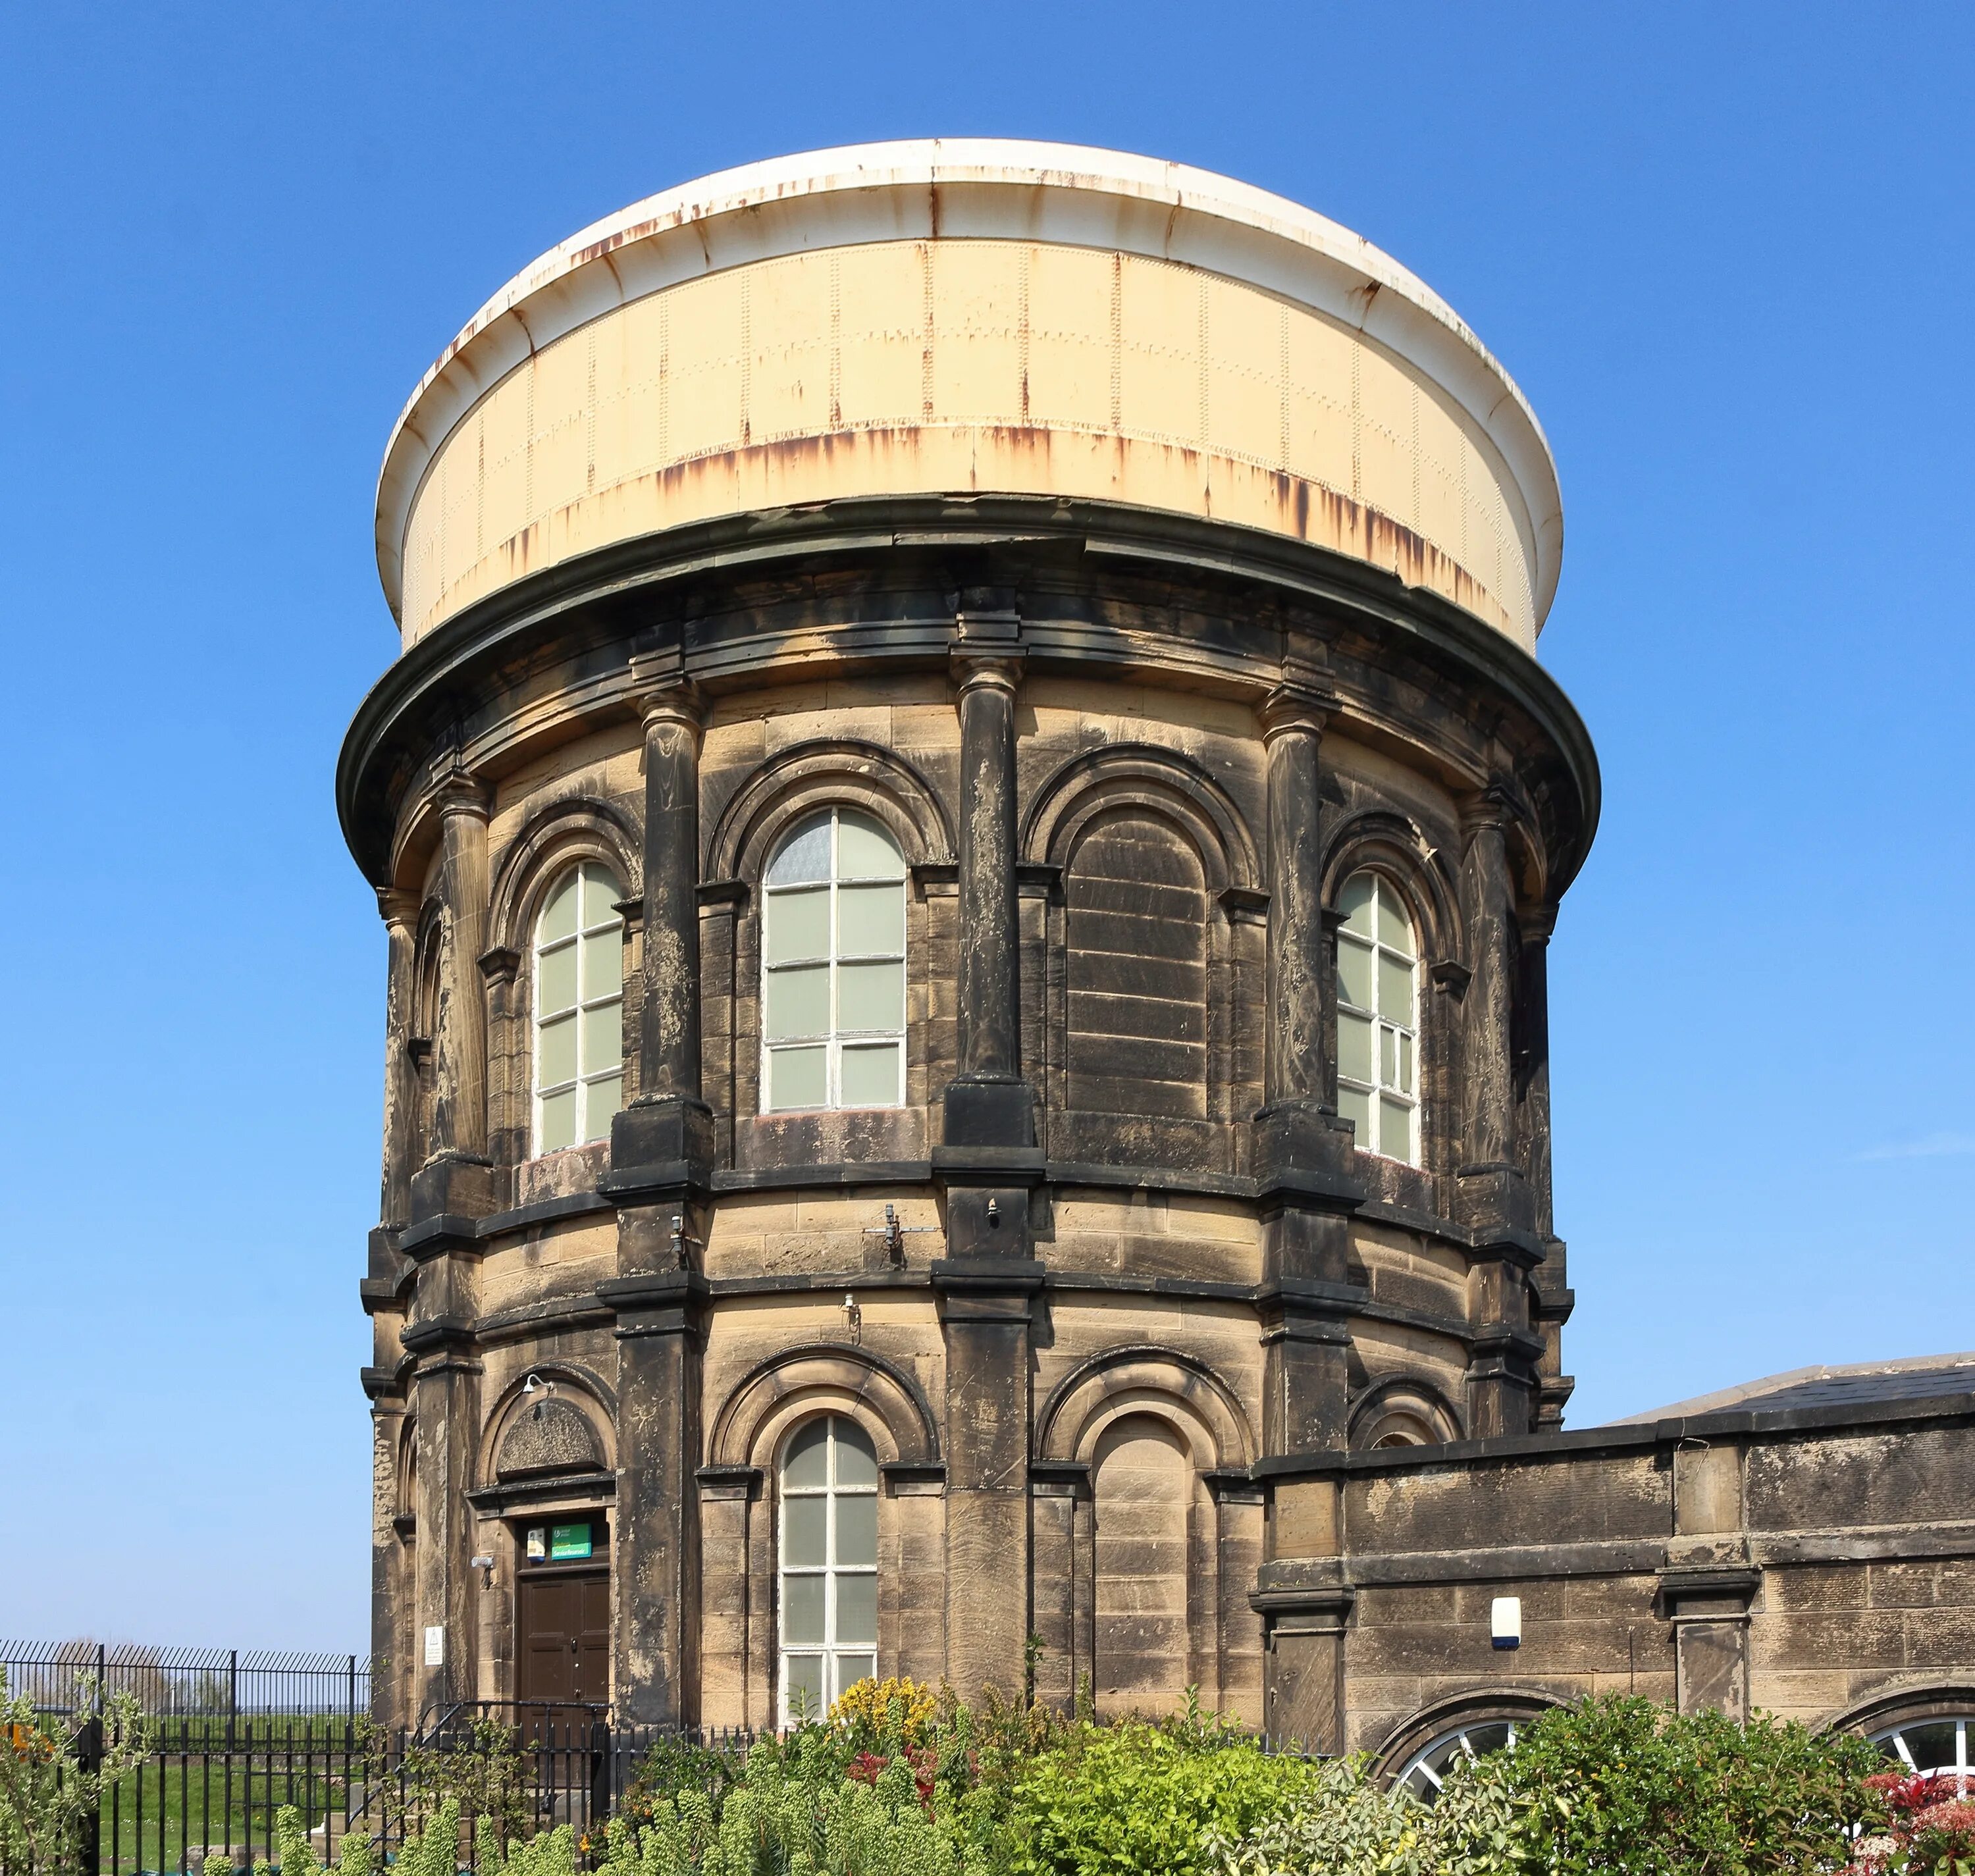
x=486 y=1564
x=1505 y=1622
x=853 y=1317
x=994 y=1211
x=535 y=1385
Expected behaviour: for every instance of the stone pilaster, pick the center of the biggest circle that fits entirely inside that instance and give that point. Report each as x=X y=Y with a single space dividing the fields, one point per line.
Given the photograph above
x=445 y=1401
x=1494 y=1196
x=661 y=1172
x=456 y=1181
x=1302 y=1151
x=664 y=1139
x=1553 y=1298
x=400 y=911
x=986 y=1164
x=1305 y=1600
x=1709 y=1583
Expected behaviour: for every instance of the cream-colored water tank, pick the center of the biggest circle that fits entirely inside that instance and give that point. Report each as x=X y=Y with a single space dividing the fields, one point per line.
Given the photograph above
x=964 y=317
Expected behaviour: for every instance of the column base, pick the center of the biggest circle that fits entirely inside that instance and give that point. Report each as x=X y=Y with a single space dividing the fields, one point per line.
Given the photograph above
x=660 y=1143
x=997 y=1110
x=450 y=1192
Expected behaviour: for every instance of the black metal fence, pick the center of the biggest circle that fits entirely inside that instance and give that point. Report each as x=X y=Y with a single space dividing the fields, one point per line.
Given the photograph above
x=204 y=1683
x=214 y=1787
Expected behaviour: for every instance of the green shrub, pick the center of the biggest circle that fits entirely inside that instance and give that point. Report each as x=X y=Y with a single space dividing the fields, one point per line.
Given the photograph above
x=44 y=1793
x=1134 y=1797
x=294 y=1855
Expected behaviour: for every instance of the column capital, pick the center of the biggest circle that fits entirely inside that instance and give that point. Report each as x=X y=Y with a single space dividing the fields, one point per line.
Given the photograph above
x=1299 y=701
x=1489 y=810
x=398 y=905
x=986 y=651
x=673 y=702
x=457 y=792
x=1535 y=923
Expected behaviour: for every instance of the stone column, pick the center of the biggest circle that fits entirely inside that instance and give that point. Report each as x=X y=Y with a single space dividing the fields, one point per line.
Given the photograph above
x=1494 y=1196
x=668 y=1128
x=400 y=910
x=1302 y=1151
x=445 y=1400
x=457 y=1178
x=661 y=1176
x=1554 y=1300
x=987 y=1164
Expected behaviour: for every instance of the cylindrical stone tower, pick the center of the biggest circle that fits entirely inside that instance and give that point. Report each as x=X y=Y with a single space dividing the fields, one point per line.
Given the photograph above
x=968 y=820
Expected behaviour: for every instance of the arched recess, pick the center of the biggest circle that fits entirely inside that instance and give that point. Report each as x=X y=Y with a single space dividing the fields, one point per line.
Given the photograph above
x=421 y=1034
x=798 y=781
x=1379 y=841
x=1147 y=1534
x=1151 y=947
x=567 y=1392
x=1403 y=1410
x=560 y=835
x=818 y=1377
x=740 y=1533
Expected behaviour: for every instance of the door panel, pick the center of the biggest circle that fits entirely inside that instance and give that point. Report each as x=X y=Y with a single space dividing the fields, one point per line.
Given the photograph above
x=564 y=1656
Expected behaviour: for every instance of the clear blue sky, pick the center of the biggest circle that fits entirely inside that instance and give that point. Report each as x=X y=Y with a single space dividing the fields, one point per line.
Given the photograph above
x=1725 y=251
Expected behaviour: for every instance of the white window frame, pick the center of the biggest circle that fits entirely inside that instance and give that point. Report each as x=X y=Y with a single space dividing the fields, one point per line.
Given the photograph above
x=1428 y=1765
x=831 y=1649
x=587 y=1075
x=1406 y=1036
x=1892 y=1740
x=838 y=1041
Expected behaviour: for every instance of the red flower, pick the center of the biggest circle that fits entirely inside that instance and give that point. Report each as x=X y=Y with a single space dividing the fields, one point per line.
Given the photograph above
x=866 y=1768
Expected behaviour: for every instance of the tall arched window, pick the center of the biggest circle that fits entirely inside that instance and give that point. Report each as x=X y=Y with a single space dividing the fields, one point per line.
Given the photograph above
x=833 y=967
x=1378 y=1018
x=579 y=980
x=828 y=1564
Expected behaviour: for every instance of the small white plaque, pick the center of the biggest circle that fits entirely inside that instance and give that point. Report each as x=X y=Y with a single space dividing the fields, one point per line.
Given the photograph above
x=435 y=1646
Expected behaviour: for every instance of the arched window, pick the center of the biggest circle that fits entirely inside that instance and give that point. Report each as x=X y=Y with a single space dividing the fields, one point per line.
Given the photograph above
x=579 y=980
x=833 y=967
x=1378 y=1018
x=828 y=1564
x=1426 y=1770
x=1939 y=1745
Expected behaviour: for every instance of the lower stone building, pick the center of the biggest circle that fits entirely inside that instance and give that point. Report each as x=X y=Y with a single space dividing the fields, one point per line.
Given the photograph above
x=968 y=824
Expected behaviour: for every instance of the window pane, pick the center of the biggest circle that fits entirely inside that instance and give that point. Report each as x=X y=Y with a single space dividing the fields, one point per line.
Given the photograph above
x=603 y=1037
x=808 y=1461
x=802 y=1609
x=1354 y=1045
x=1388 y=1057
x=602 y=963
x=866 y=851
x=1406 y=1065
x=555 y=1058
x=871 y=997
x=1395 y=1128
x=853 y=1668
x=555 y=982
x=804 y=856
x=1932 y=1746
x=805 y=1685
x=798 y=925
x=559 y=914
x=871 y=1076
x=798 y=1078
x=558 y=1122
x=1354 y=974
x=1395 y=989
x=870 y=920
x=798 y=1002
x=1395 y=927
x=856 y=1609
x=1355 y=901
x=601 y=1100
x=600 y=895
x=856 y=1463
x=1355 y=1107
x=803 y=1530
x=856 y=1530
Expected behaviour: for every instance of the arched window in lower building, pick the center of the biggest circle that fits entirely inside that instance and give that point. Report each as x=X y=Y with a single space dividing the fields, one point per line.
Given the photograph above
x=828 y=1556
x=579 y=998
x=1936 y=1746
x=1378 y=1018
x=833 y=967
x=1426 y=1770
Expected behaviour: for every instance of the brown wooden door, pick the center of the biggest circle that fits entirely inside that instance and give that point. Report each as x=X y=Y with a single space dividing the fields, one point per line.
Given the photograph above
x=565 y=1639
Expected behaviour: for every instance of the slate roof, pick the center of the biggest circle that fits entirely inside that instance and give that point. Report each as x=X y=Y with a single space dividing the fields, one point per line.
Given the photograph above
x=1918 y=1378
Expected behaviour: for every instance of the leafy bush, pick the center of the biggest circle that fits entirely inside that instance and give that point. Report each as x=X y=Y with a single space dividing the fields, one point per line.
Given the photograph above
x=1623 y=1784
x=1928 y=1824
x=45 y=1794
x=1136 y=1797
x=294 y=1855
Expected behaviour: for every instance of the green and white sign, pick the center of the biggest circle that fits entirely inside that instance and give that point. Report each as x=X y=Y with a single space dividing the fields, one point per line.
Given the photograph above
x=568 y=1542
